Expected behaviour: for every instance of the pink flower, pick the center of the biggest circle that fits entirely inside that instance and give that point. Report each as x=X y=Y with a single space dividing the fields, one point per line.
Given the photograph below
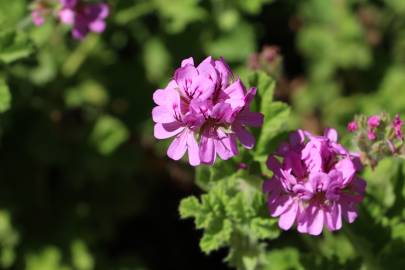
x=314 y=183
x=397 y=124
x=83 y=17
x=205 y=111
x=352 y=126
x=37 y=17
x=40 y=9
x=373 y=121
x=371 y=135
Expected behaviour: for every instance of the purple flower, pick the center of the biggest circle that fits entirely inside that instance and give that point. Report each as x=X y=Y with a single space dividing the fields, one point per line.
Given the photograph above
x=83 y=17
x=40 y=10
x=373 y=121
x=37 y=17
x=352 y=126
x=397 y=124
x=314 y=183
x=371 y=135
x=206 y=111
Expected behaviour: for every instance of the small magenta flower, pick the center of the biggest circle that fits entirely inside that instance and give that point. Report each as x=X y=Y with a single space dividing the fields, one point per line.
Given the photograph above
x=40 y=10
x=352 y=126
x=207 y=112
x=37 y=17
x=397 y=124
x=371 y=135
x=314 y=183
x=373 y=121
x=83 y=17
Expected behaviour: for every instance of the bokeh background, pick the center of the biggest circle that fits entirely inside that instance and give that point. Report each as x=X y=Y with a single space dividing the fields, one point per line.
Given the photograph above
x=83 y=183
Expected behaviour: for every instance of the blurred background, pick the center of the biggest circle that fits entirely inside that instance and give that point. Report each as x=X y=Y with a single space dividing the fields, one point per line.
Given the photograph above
x=83 y=183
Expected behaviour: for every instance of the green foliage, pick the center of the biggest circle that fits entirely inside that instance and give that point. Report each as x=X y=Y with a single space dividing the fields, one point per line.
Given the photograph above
x=9 y=239
x=108 y=134
x=83 y=181
x=284 y=259
x=233 y=213
x=14 y=46
x=5 y=96
x=48 y=259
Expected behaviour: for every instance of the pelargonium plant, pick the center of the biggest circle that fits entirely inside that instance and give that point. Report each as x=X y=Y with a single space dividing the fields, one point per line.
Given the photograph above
x=314 y=183
x=81 y=16
x=377 y=136
x=206 y=110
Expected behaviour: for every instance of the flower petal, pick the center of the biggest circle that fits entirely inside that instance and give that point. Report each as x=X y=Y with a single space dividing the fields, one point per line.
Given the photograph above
x=187 y=61
x=347 y=168
x=316 y=223
x=207 y=150
x=97 y=26
x=178 y=147
x=244 y=136
x=193 y=150
x=288 y=217
x=161 y=114
x=331 y=134
x=281 y=205
x=164 y=131
x=252 y=119
x=334 y=217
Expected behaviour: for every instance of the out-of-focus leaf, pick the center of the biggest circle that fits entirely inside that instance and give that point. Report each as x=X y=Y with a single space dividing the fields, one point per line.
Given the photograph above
x=235 y=45
x=5 y=96
x=11 y=13
x=207 y=175
x=252 y=6
x=108 y=133
x=284 y=259
x=276 y=121
x=89 y=92
x=14 y=46
x=81 y=258
x=179 y=13
x=9 y=238
x=50 y=258
x=156 y=59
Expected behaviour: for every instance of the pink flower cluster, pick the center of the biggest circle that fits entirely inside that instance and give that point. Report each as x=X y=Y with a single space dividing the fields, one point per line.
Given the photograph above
x=352 y=126
x=83 y=17
x=206 y=111
x=314 y=183
x=397 y=125
x=373 y=122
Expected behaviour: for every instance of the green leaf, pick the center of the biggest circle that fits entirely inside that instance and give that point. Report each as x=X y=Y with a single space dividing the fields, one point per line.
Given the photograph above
x=156 y=59
x=14 y=46
x=9 y=238
x=88 y=93
x=50 y=258
x=235 y=45
x=265 y=87
x=189 y=207
x=81 y=257
x=276 y=118
x=284 y=259
x=252 y=6
x=206 y=175
x=216 y=237
x=265 y=228
x=179 y=13
x=5 y=96
x=108 y=133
